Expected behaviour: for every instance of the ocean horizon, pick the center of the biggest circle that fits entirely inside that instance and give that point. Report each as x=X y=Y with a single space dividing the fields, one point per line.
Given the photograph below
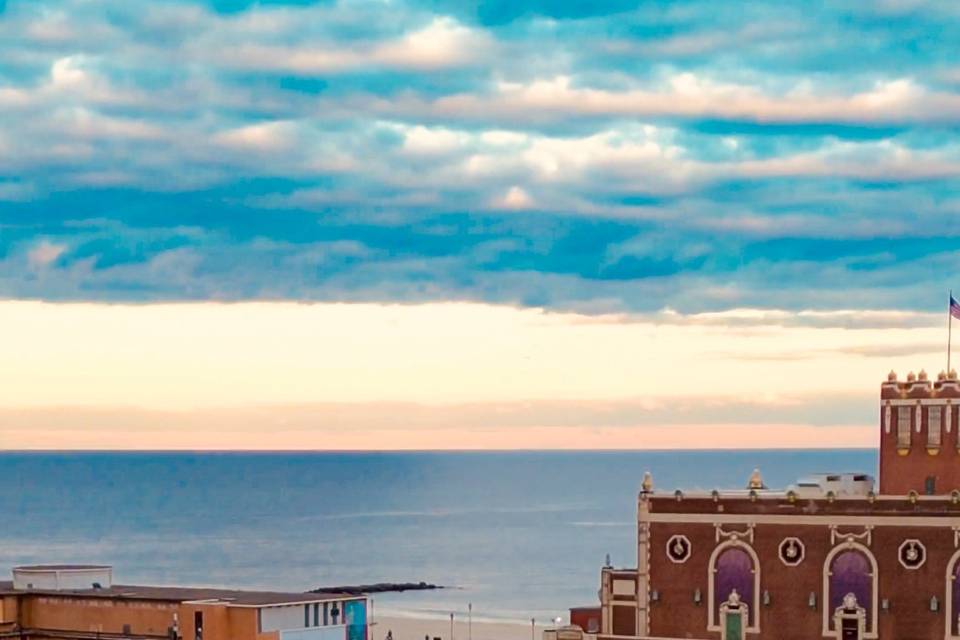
x=517 y=534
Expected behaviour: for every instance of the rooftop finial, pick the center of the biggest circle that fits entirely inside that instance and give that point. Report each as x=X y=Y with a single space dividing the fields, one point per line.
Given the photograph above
x=911 y=376
x=756 y=480
x=892 y=376
x=647 y=484
x=923 y=375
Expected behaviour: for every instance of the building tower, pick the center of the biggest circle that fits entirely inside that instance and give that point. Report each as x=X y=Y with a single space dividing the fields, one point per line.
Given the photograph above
x=919 y=447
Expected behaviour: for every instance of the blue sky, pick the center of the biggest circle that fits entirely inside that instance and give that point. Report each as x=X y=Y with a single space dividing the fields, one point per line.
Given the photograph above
x=585 y=156
x=575 y=224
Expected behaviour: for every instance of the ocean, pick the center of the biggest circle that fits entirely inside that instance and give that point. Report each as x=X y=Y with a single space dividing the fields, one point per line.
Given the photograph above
x=519 y=535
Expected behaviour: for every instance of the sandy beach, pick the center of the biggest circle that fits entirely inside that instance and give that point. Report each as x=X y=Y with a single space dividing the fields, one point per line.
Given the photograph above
x=404 y=628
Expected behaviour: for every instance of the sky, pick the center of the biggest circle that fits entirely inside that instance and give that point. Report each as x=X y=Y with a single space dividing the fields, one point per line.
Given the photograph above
x=466 y=224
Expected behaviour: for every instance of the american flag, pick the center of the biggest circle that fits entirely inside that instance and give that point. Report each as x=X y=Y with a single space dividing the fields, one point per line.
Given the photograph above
x=954 y=308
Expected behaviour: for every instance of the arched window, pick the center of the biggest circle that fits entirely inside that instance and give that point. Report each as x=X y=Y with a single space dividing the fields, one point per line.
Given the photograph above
x=952 y=599
x=955 y=599
x=733 y=567
x=850 y=568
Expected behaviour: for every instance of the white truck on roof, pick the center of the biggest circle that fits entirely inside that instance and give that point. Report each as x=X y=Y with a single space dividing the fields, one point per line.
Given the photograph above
x=841 y=484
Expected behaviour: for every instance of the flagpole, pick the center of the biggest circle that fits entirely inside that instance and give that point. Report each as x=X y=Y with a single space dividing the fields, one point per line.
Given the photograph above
x=949 y=329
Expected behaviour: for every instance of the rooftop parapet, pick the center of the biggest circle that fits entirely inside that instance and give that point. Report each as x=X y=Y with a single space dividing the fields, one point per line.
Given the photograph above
x=919 y=386
x=744 y=503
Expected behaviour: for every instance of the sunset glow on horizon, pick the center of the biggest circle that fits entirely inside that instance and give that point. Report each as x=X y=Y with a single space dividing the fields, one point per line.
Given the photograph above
x=276 y=375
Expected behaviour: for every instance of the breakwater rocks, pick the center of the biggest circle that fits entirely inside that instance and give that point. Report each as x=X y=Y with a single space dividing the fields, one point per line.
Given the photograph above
x=380 y=587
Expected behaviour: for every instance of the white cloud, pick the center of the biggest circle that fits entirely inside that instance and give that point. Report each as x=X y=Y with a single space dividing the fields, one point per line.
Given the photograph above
x=443 y=43
x=44 y=254
x=14 y=97
x=267 y=136
x=557 y=158
x=432 y=140
x=516 y=198
x=500 y=137
x=68 y=73
x=690 y=95
x=83 y=123
x=51 y=28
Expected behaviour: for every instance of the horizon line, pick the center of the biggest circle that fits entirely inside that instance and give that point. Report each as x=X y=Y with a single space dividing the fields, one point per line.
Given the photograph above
x=437 y=451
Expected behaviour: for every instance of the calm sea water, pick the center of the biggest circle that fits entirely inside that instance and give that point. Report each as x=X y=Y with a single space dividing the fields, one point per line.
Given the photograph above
x=520 y=535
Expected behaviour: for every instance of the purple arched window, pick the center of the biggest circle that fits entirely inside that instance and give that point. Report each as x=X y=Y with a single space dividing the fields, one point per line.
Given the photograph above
x=955 y=596
x=850 y=572
x=733 y=570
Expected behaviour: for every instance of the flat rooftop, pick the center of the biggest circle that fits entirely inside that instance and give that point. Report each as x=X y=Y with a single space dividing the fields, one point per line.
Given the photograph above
x=229 y=597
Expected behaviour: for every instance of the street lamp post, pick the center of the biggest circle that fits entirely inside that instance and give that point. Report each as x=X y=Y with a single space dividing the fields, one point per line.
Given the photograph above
x=451 y=625
x=533 y=628
x=469 y=621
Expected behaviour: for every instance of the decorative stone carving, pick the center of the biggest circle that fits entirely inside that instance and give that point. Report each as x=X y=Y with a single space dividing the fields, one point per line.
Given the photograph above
x=850 y=619
x=679 y=549
x=734 y=535
x=734 y=615
x=647 y=485
x=792 y=551
x=912 y=554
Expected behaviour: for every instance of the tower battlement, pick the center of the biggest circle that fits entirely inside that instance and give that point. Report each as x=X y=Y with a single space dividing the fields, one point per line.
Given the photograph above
x=921 y=386
x=919 y=444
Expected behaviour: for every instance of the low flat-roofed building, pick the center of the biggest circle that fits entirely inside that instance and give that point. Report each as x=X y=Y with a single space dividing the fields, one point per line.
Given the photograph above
x=80 y=602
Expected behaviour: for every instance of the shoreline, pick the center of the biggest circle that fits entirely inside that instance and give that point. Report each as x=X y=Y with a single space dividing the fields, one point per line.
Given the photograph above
x=403 y=627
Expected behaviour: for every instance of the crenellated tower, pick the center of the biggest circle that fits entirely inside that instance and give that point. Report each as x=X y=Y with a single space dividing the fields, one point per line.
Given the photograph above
x=919 y=447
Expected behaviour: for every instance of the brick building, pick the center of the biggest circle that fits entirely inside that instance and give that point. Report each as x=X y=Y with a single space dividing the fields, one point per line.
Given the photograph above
x=80 y=602
x=826 y=558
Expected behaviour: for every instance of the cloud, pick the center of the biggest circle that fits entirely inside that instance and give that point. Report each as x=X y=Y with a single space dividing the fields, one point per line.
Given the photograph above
x=629 y=159
x=205 y=436
x=441 y=44
x=67 y=73
x=515 y=198
x=15 y=191
x=838 y=319
x=869 y=351
x=389 y=375
x=689 y=96
x=44 y=254
x=270 y=136
x=667 y=423
x=824 y=410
